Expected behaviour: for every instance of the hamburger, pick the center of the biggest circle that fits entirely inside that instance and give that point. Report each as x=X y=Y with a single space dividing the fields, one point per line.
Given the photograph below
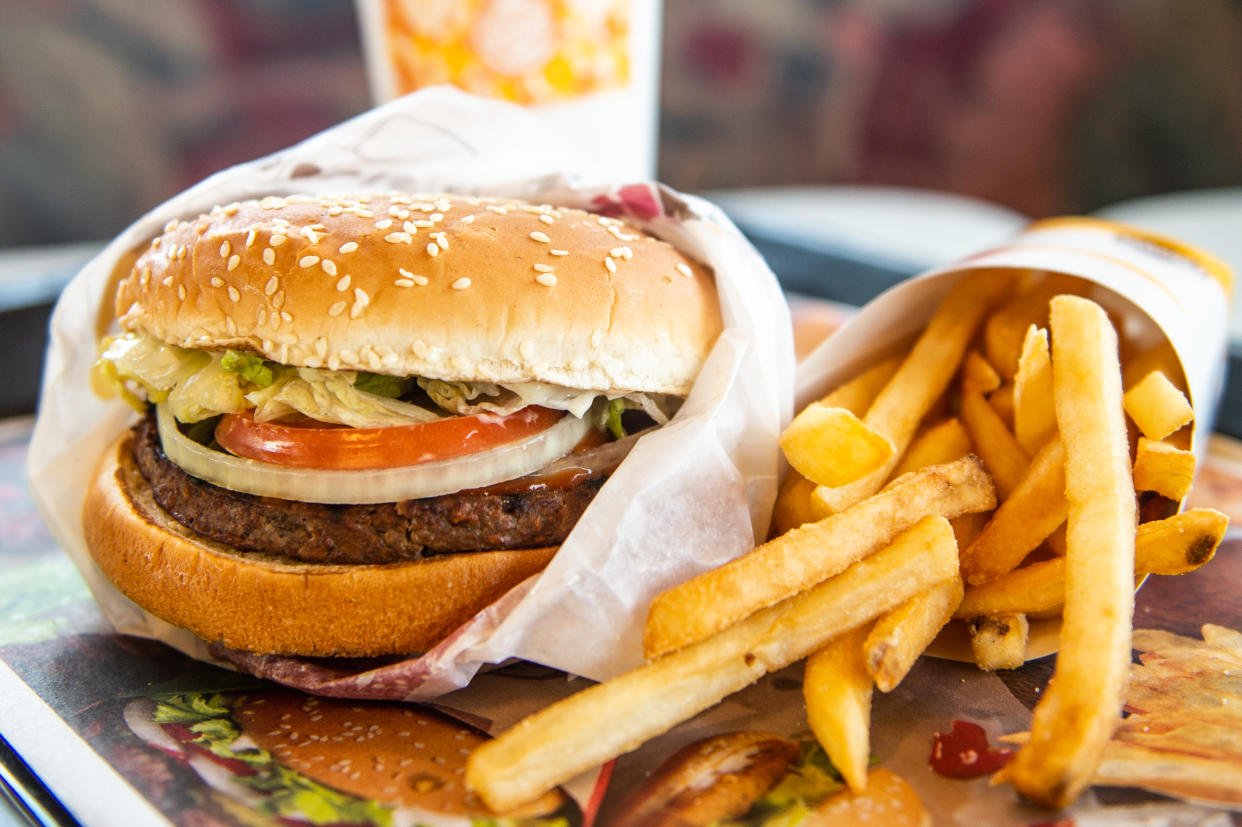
x=366 y=418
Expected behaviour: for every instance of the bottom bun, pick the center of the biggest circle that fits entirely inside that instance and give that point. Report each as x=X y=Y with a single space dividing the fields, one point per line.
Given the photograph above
x=267 y=605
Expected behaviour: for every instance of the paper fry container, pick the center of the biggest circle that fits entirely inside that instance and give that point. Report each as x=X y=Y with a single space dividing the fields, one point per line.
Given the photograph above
x=688 y=497
x=1153 y=287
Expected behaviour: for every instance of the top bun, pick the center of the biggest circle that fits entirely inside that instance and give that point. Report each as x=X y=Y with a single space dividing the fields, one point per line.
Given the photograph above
x=442 y=287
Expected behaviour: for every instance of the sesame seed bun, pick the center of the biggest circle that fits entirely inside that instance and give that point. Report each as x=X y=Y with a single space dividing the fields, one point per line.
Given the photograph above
x=271 y=606
x=441 y=287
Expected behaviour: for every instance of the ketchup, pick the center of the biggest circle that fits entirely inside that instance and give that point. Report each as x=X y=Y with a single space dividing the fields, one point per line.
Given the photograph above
x=965 y=752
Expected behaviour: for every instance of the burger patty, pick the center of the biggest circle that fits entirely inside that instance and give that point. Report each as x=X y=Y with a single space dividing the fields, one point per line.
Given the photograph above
x=372 y=533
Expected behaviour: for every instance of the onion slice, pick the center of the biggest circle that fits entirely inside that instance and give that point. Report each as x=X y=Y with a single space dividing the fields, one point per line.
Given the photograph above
x=429 y=479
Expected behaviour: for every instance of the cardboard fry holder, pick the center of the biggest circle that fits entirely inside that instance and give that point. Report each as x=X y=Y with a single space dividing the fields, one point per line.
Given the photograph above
x=1153 y=287
x=688 y=497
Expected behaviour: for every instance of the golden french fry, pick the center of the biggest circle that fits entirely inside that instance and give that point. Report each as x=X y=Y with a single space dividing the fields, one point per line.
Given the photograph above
x=1081 y=707
x=899 y=637
x=978 y=374
x=605 y=720
x=1034 y=416
x=1160 y=467
x=857 y=393
x=993 y=442
x=998 y=641
x=792 y=562
x=832 y=446
x=888 y=799
x=1157 y=407
x=793 y=503
x=921 y=379
x=837 y=690
x=944 y=442
x=1174 y=545
x=1034 y=509
x=1002 y=401
x=1005 y=330
x=1169 y=773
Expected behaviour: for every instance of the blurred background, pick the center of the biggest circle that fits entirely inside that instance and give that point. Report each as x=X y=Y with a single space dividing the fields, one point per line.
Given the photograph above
x=107 y=107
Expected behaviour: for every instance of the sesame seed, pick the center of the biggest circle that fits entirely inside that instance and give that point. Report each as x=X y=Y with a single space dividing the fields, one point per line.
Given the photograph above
x=423 y=223
x=546 y=279
x=224 y=250
x=684 y=270
x=547 y=219
x=216 y=281
x=336 y=309
x=277 y=240
x=436 y=216
x=544 y=268
x=558 y=252
x=361 y=300
x=234 y=260
x=269 y=256
x=610 y=264
x=272 y=284
x=233 y=294
x=278 y=301
x=410 y=227
x=383 y=225
x=230 y=325
x=419 y=280
x=287 y=318
x=348 y=247
x=433 y=249
x=442 y=241
x=538 y=236
x=308 y=261
x=398 y=238
x=342 y=283
x=250 y=237
x=310 y=235
x=181 y=292
x=461 y=284
x=167 y=281
x=467 y=219
x=328 y=266
x=403 y=283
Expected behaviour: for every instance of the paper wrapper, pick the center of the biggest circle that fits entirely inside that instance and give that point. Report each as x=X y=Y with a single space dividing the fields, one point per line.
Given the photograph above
x=689 y=497
x=1157 y=287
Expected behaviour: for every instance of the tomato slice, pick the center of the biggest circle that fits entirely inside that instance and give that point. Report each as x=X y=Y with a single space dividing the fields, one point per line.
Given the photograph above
x=319 y=445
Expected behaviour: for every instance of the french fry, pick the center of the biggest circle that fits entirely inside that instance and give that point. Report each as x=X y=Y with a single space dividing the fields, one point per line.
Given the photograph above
x=793 y=503
x=797 y=560
x=978 y=374
x=1002 y=401
x=832 y=446
x=1170 y=773
x=1005 y=330
x=1081 y=707
x=837 y=689
x=1034 y=509
x=1034 y=416
x=944 y=442
x=998 y=641
x=995 y=445
x=921 y=380
x=608 y=719
x=1174 y=545
x=899 y=637
x=857 y=393
x=1160 y=467
x=1157 y=407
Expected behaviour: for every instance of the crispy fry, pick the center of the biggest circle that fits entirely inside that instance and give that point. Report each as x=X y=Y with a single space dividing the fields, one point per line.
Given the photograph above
x=1033 y=511
x=805 y=556
x=1034 y=415
x=1002 y=401
x=857 y=394
x=610 y=718
x=837 y=689
x=978 y=373
x=1082 y=705
x=995 y=445
x=1005 y=330
x=998 y=641
x=793 y=503
x=1157 y=407
x=1160 y=467
x=1170 y=773
x=1174 y=545
x=832 y=446
x=899 y=637
x=921 y=380
x=943 y=442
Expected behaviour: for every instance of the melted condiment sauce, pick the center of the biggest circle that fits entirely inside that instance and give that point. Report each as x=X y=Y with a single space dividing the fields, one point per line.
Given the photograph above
x=966 y=753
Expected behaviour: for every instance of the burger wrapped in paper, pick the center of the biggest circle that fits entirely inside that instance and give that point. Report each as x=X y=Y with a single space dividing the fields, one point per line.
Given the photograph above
x=420 y=387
